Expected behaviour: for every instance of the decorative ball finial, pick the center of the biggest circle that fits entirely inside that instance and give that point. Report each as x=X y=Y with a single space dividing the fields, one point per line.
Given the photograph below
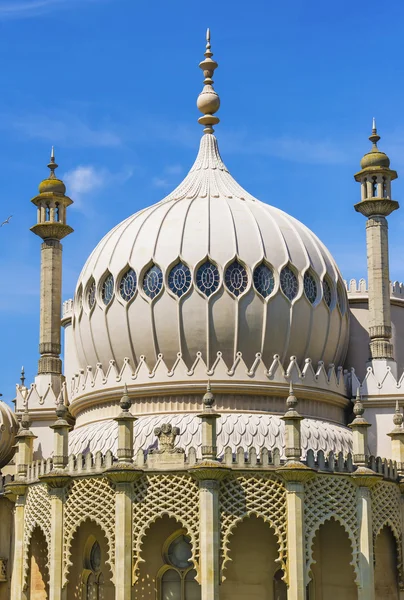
x=291 y=401
x=125 y=402
x=208 y=101
x=208 y=399
x=358 y=408
x=52 y=183
x=398 y=416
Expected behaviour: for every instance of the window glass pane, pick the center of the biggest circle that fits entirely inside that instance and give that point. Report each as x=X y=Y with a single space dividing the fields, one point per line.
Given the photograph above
x=171 y=586
x=91 y=588
x=179 y=552
x=192 y=587
x=95 y=557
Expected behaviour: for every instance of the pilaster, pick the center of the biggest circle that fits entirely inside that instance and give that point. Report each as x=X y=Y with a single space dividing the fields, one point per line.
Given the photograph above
x=365 y=479
x=18 y=491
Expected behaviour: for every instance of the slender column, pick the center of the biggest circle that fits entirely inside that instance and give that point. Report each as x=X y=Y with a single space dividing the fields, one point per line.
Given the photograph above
x=379 y=287
x=123 y=474
x=366 y=564
x=397 y=439
x=359 y=428
x=295 y=474
x=209 y=472
x=51 y=300
x=209 y=538
x=295 y=540
x=56 y=549
x=18 y=556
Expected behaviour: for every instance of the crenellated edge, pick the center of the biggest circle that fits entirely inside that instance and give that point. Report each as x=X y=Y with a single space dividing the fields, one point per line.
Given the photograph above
x=358 y=287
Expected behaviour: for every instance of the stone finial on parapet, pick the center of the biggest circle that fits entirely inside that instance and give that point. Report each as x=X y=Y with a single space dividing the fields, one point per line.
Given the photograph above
x=209 y=431
x=125 y=421
x=25 y=444
x=292 y=420
x=359 y=428
x=397 y=438
x=61 y=428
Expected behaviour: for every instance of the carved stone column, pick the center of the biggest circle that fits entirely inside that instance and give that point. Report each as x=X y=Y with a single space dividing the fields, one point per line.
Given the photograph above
x=209 y=472
x=122 y=475
x=365 y=479
x=295 y=475
x=17 y=491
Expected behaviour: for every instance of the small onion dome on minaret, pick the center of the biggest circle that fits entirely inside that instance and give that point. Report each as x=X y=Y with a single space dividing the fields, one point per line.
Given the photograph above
x=375 y=158
x=208 y=100
x=52 y=183
x=52 y=203
x=375 y=178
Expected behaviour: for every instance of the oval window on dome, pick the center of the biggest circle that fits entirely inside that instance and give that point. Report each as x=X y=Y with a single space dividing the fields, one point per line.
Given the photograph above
x=127 y=286
x=107 y=289
x=179 y=279
x=208 y=278
x=91 y=294
x=327 y=294
x=289 y=283
x=310 y=287
x=264 y=281
x=236 y=278
x=153 y=281
x=341 y=299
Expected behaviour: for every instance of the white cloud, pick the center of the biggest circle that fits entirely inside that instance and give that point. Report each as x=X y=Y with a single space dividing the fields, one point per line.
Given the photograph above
x=168 y=176
x=160 y=182
x=174 y=170
x=88 y=179
x=33 y=8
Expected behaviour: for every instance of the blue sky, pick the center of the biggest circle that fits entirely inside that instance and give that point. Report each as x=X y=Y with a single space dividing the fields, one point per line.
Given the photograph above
x=113 y=84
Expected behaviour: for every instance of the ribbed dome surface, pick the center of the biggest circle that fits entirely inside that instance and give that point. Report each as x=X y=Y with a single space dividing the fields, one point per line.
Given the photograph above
x=8 y=430
x=293 y=304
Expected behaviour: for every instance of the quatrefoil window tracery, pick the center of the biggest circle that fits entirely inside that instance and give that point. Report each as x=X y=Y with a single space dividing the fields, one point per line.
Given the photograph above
x=236 y=278
x=289 y=283
x=208 y=278
x=153 y=281
x=179 y=279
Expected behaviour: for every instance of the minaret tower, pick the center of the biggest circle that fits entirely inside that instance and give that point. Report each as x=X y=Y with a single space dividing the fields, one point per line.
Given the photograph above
x=51 y=203
x=376 y=204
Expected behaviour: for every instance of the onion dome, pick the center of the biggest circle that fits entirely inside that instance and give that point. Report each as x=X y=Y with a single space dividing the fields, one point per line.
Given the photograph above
x=375 y=158
x=52 y=183
x=209 y=271
x=8 y=431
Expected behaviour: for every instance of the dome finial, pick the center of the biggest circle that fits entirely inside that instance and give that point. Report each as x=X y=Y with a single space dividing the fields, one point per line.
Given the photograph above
x=52 y=165
x=208 y=101
x=374 y=138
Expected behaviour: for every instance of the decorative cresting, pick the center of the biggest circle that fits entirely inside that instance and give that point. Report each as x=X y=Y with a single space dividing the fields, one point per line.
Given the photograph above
x=209 y=269
x=326 y=498
x=90 y=499
x=376 y=204
x=176 y=496
x=386 y=510
x=320 y=377
x=37 y=514
x=241 y=497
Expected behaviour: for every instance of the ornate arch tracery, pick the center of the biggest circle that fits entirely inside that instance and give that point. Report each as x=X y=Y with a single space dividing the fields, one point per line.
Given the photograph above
x=329 y=498
x=176 y=496
x=242 y=497
x=386 y=510
x=37 y=514
x=89 y=499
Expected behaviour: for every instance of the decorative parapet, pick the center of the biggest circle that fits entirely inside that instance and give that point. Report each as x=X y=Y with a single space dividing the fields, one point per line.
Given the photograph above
x=67 y=310
x=242 y=459
x=358 y=289
x=87 y=382
x=32 y=398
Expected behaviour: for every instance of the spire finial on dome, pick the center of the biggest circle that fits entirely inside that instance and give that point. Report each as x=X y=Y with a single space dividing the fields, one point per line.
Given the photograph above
x=52 y=165
x=208 y=101
x=374 y=138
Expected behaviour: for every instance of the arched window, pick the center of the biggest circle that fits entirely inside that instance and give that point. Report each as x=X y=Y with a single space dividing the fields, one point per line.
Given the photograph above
x=177 y=577
x=374 y=186
x=93 y=578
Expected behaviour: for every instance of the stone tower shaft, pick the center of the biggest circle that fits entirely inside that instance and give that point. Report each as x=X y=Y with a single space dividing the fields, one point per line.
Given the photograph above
x=376 y=204
x=51 y=203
